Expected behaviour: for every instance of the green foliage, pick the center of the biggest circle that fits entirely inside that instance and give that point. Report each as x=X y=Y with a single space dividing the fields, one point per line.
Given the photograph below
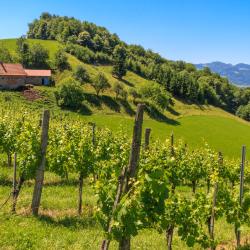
x=70 y=94
x=5 y=55
x=23 y=52
x=81 y=74
x=118 y=89
x=134 y=94
x=119 y=68
x=244 y=112
x=61 y=60
x=84 y=54
x=35 y=56
x=156 y=199
x=156 y=94
x=96 y=45
x=38 y=56
x=100 y=83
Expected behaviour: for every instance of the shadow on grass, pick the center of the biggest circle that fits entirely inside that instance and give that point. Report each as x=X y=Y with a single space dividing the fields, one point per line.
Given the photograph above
x=83 y=109
x=127 y=107
x=110 y=103
x=93 y=100
x=71 y=222
x=172 y=111
x=130 y=84
x=4 y=181
x=62 y=182
x=157 y=115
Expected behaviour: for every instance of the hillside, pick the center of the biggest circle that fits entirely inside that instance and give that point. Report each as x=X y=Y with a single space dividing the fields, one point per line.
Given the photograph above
x=238 y=74
x=194 y=123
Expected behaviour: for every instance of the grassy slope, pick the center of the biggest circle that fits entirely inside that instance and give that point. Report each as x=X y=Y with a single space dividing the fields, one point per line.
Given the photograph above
x=192 y=123
x=59 y=227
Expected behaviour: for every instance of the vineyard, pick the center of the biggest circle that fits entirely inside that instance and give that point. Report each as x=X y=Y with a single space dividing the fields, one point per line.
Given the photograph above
x=138 y=185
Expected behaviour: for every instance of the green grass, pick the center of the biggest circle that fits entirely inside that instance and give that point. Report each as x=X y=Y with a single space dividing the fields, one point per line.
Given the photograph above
x=59 y=227
x=192 y=123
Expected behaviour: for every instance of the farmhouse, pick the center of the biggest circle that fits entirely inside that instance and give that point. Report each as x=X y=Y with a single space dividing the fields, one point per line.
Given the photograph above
x=13 y=76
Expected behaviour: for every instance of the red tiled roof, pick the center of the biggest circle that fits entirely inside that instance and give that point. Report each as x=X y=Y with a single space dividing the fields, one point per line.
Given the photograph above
x=34 y=72
x=7 y=69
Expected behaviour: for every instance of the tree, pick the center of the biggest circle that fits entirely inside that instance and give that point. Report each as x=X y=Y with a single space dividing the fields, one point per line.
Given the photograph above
x=5 y=55
x=117 y=88
x=70 y=94
x=156 y=94
x=119 y=68
x=244 y=112
x=61 y=60
x=38 y=56
x=23 y=51
x=84 y=39
x=81 y=74
x=100 y=83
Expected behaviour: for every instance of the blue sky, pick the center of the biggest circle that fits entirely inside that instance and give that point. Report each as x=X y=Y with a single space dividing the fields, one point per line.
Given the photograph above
x=191 y=30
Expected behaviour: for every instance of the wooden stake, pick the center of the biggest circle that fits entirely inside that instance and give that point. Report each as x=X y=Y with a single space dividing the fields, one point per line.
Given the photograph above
x=80 y=194
x=14 y=191
x=41 y=168
x=93 y=133
x=243 y=158
x=172 y=143
x=147 y=137
x=212 y=219
x=127 y=173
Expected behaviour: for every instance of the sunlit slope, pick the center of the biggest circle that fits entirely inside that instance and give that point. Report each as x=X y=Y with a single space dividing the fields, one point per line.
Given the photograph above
x=194 y=124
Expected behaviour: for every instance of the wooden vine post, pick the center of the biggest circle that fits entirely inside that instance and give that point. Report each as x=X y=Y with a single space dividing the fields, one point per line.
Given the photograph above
x=172 y=143
x=127 y=173
x=212 y=220
x=14 y=191
x=41 y=168
x=242 y=167
x=147 y=137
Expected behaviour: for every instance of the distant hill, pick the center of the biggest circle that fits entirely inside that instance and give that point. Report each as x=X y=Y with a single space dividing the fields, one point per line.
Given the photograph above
x=238 y=74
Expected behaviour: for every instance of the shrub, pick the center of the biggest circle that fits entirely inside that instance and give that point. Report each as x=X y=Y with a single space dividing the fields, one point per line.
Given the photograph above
x=100 y=83
x=156 y=94
x=244 y=112
x=81 y=74
x=70 y=94
x=61 y=60
x=117 y=88
x=134 y=94
x=84 y=54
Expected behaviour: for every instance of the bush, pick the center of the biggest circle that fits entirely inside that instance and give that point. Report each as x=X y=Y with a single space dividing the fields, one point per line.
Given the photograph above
x=102 y=58
x=118 y=89
x=81 y=74
x=134 y=94
x=70 y=94
x=61 y=60
x=82 y=53
x=100 y=83
x=244 y=112
x=156 y=94
x=39 y=56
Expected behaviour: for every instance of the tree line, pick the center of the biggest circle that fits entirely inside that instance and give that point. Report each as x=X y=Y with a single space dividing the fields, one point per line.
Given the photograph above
x=94 y=44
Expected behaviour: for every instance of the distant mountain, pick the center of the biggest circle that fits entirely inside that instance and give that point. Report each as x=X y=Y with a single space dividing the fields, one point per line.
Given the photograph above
x=238 y=74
